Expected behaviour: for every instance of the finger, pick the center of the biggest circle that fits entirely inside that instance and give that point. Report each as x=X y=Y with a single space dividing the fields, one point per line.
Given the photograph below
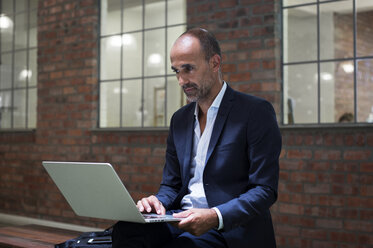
x=183 y=214
x=146 y=205
x=159 y=208
x=140 y=207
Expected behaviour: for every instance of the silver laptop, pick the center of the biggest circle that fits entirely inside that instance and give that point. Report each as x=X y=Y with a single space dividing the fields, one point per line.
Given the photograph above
x=95 y=190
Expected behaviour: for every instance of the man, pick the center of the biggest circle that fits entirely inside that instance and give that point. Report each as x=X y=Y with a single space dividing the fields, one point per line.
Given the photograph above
x=221 y=170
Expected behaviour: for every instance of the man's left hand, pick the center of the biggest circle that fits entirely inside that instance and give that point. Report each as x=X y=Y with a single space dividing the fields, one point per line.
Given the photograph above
x=197 y=220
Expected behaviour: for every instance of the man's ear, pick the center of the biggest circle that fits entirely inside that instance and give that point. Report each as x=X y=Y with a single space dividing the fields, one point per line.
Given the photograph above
x=215 y=62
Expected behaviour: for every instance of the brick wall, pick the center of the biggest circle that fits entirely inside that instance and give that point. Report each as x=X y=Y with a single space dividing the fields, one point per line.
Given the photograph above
x=325 y=191
x=246 y=31
x=326 y=177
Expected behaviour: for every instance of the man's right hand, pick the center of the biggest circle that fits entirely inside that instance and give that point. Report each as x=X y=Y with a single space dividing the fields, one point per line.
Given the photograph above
x=151 y=204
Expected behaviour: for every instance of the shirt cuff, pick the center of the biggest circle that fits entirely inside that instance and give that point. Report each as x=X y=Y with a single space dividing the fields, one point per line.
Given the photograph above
x=220 y=217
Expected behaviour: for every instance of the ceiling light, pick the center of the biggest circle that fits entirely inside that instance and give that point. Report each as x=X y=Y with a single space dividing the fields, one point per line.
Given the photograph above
x=5 y=22
x=348 y=67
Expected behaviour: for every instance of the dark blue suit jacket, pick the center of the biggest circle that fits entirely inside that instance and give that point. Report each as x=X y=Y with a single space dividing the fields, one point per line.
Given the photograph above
x=241 y=173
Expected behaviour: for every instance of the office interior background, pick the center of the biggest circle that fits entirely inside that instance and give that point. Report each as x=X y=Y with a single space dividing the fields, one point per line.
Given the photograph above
x=90 y=80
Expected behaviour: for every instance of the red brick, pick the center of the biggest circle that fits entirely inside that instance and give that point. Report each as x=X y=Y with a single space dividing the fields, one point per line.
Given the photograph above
x=366 y=239
x=249 y=44
x=288 y=231
x=327 y=200
x=263 y=9
x=228 y=46
x=343 y=237
x=303 y=177
x=314 y=234
x=317 y=166
x=317 y=189
x=358 y=225
x=262 y=54
x=324 y=244
x=366 y=167
x=291 y=209
x=366 y=214
x=247 y=66
x=329 y=223
x=357 y=155
x=228 y=3
x=327 y=154
x=370 y=140
x=49 y=3
x=240 y=77
x=299 y=154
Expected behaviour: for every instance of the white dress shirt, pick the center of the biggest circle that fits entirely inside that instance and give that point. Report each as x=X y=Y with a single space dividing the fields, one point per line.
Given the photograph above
x=196 y=197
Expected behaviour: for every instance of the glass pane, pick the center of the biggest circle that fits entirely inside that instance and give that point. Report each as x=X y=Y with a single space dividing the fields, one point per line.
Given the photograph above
x=364 y=22
x=155 y=13
x=19 y=109
x=131 y=103
x=21 y=73
x=110 y=104
x=110 y=57
x=300 y=34
x=337 y=92
x=132 y=15
x=172 y=34
x=300 y=94
x=154 y=52
x=6 y=71
x=33 y=29
x=365 y=90
x=21 y=5
x=110 y=17
x=336 y=30
x=176 y=12
x=21 y=31
x=32 y=63
x=7 y=7
x=132 y=55
x=5 y=109
x=6 y=24
x=33 y=4
x=175 y=97
x=297 y=2
x=154 y=102
x=31 y=108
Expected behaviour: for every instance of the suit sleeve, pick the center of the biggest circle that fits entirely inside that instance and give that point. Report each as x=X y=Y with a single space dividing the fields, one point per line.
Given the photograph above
x=263 y=150
x=171 y=180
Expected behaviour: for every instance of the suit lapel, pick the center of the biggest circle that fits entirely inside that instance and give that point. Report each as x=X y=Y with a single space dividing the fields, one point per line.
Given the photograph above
x=188 y=144
x=225 y=106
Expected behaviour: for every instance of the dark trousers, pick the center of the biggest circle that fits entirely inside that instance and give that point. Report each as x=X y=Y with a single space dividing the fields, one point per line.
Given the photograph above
x=162 y=235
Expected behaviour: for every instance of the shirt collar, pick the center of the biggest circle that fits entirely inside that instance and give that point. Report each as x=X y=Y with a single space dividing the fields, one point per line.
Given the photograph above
x=217 y=101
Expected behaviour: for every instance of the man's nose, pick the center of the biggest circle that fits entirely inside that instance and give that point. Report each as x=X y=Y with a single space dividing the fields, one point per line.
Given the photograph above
x=183 y=80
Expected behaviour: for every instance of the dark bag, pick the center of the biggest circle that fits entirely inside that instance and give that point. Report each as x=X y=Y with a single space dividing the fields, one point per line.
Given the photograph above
x=89 y=240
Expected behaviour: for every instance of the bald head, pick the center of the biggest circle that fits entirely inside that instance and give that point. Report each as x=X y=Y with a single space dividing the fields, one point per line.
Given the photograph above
x=207 y=41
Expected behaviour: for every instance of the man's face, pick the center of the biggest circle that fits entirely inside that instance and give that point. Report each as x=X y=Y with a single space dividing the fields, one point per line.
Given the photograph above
x=192 y=70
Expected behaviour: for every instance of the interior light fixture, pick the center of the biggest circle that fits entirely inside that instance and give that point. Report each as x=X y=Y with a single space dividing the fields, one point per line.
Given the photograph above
x=326 y=76
x=117 y=90
x=122 y=40
x=348 y=67
x=115 y=41
x=154 y=59
x=5 y=22
x=25 y=74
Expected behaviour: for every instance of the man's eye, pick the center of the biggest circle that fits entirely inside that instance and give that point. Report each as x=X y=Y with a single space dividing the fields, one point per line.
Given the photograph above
x=188 y=68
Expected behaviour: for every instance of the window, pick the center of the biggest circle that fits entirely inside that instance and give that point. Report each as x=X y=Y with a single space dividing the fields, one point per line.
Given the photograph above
x=18 y=71
x=137 y=86
x=327 y=61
